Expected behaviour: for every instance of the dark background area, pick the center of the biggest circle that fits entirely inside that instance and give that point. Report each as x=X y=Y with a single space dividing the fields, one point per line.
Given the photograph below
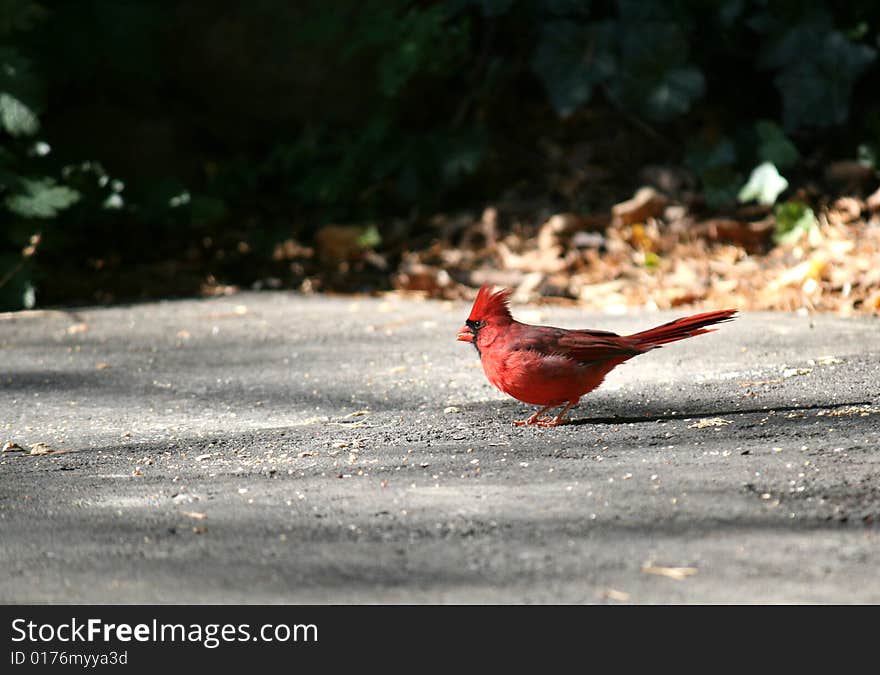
x=165 y=148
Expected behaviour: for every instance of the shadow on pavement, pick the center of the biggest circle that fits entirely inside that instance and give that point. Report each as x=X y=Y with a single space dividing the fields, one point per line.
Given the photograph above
x=614 y=419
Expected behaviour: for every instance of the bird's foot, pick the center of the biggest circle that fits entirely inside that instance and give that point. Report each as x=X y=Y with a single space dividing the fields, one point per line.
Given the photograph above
x=560 y=418
x=534 y=419
x=537 y=421
x=555 y=422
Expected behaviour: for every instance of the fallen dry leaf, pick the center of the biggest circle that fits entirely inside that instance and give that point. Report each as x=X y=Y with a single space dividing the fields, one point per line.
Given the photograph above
x=849 y=411
x=845 y=210
x=558 y=228
x=617 y=596
x=211 y=288
x=646 y=203
x=416 y=277
x=290 y=249
x=544 y=260
x=77 y=328
x=339 y=243
x=709 y=422
x=11 y=446
x=41 y=449
x=197 y=515
x=677 y=573
x=751 y=236
x=756 y=383
x=873 y=201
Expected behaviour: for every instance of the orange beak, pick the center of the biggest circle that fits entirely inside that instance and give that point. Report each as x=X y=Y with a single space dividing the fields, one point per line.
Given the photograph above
x=465 y=334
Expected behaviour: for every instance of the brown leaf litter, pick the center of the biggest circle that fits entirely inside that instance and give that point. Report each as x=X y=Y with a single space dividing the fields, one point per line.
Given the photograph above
x=652 y=253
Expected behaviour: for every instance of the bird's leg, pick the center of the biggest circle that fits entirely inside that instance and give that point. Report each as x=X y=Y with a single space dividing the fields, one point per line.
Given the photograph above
x=534 y=418
x=560 y=418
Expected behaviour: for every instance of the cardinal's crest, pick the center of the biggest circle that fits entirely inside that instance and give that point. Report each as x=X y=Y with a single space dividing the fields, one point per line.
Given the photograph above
x=489 y=304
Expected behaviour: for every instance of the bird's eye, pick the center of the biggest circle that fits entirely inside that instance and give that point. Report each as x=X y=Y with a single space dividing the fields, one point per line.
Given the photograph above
x=478 y=324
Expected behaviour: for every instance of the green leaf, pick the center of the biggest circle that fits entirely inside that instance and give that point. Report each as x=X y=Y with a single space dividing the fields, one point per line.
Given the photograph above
x=764 y=185
x=793 y=219
x=41 y=199
x=370 y=238
x=774 y=146
x=867 y=156
x=113 y=202
x=29 y=296
x=16 y=117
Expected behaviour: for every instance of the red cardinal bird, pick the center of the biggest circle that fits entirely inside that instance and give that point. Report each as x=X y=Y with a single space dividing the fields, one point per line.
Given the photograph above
x=552 y=367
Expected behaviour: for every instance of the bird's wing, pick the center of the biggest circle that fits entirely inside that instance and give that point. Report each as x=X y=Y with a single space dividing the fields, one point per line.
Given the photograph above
x=584 y=346
x=588 y=346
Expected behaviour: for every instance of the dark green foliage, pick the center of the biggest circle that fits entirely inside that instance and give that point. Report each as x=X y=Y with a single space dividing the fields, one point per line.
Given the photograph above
x=27 y=194
x=715 y=164
x=774 y=146
x=569 y=61
x=816 y=67
x=639 y=57
x=161 y=135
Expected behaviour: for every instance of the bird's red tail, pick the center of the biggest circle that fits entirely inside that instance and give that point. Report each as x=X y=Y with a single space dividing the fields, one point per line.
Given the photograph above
x=682 y=328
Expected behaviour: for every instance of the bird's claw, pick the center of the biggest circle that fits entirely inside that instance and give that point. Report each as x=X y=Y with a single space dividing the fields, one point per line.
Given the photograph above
x=555 y=422
x=528 y=422
x=540 y=422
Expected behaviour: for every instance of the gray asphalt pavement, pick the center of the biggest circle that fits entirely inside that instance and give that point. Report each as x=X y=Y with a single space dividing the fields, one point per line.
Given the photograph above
x=267 y=448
